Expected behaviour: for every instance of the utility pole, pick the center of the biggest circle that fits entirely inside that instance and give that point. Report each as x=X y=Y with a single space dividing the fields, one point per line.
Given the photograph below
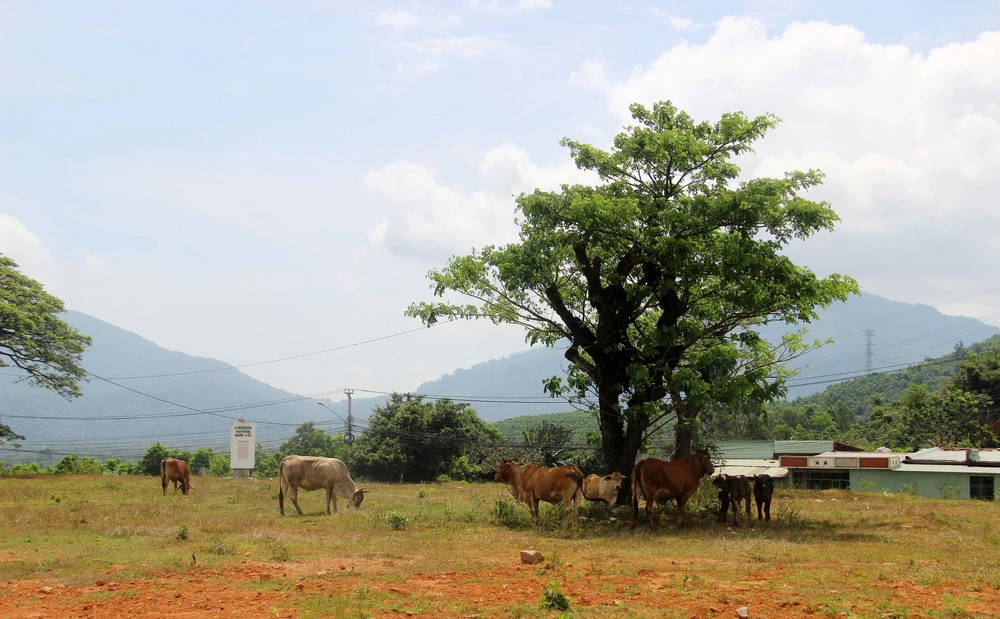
x=869 y=353
x=349 y=437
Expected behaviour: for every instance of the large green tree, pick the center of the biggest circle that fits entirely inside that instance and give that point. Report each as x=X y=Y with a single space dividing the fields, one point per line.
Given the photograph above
x=32 y=336
x=657 y=276
x=412 y=440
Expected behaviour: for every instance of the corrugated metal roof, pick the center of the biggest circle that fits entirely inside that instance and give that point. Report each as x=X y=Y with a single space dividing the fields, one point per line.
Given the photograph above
x=751 y=467
x=802 y=447
x=937 y=454
x=760 y=450
x=907 y=467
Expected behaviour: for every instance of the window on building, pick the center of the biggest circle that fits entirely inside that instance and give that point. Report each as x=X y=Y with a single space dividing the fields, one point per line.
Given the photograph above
x=981 y=488
x=821 y=480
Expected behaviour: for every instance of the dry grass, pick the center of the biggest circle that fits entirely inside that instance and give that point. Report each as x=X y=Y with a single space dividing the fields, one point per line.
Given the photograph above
x=829 y=553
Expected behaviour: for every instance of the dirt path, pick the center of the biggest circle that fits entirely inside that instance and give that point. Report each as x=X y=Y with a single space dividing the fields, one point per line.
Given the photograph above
x=322 y=587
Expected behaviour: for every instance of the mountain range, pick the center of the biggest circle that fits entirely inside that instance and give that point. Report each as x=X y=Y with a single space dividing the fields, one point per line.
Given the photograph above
x=114 y=418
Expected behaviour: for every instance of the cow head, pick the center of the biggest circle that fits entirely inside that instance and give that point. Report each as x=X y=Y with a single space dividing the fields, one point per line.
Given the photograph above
x=359 y=495
x=503 y=471
x=720 y=483
x=706 y=461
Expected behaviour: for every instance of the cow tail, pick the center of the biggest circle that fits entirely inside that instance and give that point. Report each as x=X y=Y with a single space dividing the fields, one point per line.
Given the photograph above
x=163 y=469
x=636 y=486
x=577 y=476
x=281 y=494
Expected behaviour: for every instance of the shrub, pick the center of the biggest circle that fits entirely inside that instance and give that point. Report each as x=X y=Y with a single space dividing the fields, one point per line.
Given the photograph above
x=396 y=520
x=553 y=598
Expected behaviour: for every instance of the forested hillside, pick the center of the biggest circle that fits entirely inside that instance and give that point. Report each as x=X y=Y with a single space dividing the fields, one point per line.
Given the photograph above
x=891 y=384
x=579 y=422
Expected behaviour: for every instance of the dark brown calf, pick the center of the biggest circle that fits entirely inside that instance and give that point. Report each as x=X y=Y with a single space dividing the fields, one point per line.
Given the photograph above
x=175 y=471
x=763 y=488
x=732 y=489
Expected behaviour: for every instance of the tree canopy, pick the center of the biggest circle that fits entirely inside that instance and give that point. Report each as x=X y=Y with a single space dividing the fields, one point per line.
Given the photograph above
x=32 y=336
x=657 y=276
x=412 y=440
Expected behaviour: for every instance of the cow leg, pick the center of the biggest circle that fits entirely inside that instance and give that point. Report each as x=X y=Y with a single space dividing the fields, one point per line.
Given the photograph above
x=747 y=499
x=330 y=496
x=723 y=507
x=649 y=513
x=165 y=484
x=682 y=502
x=760 y=515
x=533 y=506
x=767 y=508
x=293 y=494
x=175 y=486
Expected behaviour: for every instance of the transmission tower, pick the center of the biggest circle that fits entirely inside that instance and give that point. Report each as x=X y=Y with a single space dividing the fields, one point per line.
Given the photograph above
x=869 y=353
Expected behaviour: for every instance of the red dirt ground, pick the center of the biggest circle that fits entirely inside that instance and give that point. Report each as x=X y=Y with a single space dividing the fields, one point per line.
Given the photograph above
x=229 y=592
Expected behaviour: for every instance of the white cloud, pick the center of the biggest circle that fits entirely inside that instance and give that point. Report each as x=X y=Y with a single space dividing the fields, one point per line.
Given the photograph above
x=24 y=247
x=910 y=142
x=418 y=68
x=429 y=218
x=397 y=19
x=465 y=47
x=510 y=6
x=591 y=75
x=676 y=22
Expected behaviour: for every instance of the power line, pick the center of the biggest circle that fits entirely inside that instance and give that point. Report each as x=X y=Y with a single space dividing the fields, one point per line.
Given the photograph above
x=303 y=355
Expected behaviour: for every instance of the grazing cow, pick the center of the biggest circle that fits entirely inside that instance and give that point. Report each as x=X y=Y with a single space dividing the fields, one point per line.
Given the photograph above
x=661 y=481
x=530 y=483
x=313 y=473
x=597 y=488
x=763 y=488
x=732 y=489
x=175 y=471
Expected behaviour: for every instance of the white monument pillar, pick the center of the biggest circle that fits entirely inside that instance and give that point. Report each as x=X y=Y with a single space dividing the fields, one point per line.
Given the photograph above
x=241 y=445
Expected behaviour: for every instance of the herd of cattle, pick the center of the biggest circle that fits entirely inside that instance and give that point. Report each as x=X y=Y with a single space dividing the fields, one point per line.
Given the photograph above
x=658 y=481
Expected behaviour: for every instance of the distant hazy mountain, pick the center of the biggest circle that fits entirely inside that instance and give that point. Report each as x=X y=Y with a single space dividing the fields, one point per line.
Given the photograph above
x=115 y=353
x=903 y=333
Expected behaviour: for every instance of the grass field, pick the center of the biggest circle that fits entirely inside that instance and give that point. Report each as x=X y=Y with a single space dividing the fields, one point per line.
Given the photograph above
x=101 y=546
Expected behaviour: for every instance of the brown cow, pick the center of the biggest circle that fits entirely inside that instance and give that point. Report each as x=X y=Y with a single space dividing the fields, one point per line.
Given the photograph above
x=313 y=473
x=175 y=471
x=732 y=489
x=597 y=488
x=530 y=483
x=660 y=481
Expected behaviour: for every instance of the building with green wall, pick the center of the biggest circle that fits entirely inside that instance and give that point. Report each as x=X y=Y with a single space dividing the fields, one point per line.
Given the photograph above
x=933 y=472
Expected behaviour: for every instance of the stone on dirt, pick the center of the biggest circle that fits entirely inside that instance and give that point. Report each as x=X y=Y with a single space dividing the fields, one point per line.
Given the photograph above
x=742 y=612
x=531 y=557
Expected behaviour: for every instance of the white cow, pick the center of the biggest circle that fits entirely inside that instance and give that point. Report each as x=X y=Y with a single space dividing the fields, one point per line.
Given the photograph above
x=597 y=488
x=313 y=473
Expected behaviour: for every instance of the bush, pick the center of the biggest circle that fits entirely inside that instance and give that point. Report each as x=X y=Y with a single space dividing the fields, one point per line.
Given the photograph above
x=219 y=466
x=396 y=520
x=553 y=598
x=75 y=465
x=505 y=512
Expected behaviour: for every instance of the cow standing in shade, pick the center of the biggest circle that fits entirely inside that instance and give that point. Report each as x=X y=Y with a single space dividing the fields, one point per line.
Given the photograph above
x=763 y=488
x=732 y=489
x=176 y=471
x=531 y=484
x=313 y=473
x=660 y=481
x=597 y=488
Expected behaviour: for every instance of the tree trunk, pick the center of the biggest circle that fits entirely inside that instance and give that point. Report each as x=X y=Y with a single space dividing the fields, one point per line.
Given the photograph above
x=684 y=430
x=620 y=442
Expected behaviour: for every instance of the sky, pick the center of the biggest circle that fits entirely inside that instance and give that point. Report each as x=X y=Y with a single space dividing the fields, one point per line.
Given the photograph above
x=250 y=181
